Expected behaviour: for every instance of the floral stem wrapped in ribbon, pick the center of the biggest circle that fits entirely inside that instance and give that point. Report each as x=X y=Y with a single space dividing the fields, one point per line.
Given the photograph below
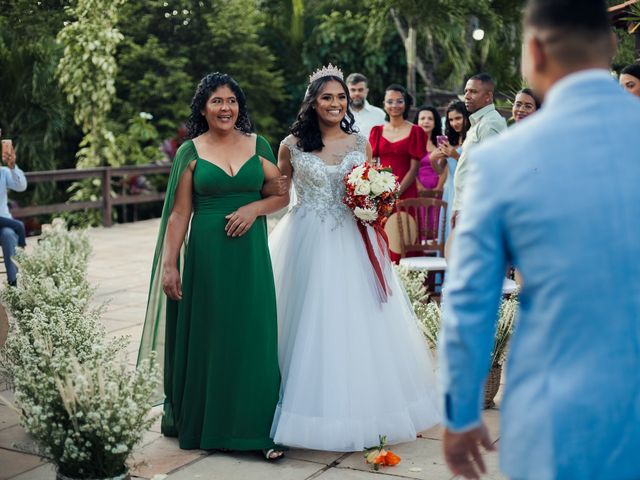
x=371 y=194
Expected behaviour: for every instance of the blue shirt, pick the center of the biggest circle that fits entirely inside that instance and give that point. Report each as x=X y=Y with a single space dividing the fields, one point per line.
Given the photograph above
x=557 y=196
x=10 y=179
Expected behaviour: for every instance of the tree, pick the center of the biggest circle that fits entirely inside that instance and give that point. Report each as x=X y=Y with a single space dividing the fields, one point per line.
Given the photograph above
x=86 y=73
x=345 y=38
x=33 y=110
x=436 y=35
x=170 y=46
x=240 y=52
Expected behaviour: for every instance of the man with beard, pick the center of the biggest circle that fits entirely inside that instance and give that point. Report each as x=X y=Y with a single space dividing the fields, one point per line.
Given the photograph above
x=367 y=116
x=485 y=122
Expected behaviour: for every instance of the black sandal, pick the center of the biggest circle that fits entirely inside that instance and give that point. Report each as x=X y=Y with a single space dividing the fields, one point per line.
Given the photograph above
x=222 y=450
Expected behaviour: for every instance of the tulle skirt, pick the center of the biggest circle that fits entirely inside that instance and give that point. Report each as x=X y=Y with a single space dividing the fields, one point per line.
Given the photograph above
x=353 y=368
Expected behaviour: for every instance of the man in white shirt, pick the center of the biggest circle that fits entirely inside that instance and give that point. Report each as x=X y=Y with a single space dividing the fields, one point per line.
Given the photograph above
x=366 y=115
x=485 y=122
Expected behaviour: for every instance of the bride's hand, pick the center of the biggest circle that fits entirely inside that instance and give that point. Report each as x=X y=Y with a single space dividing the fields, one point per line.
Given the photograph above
x=171 y=283
x=240 y=221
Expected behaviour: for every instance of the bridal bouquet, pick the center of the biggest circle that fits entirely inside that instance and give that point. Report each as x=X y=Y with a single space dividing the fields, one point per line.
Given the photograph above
x=371 y=193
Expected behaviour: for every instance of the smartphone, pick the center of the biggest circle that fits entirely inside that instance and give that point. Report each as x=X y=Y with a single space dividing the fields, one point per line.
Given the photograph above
x=442 y=140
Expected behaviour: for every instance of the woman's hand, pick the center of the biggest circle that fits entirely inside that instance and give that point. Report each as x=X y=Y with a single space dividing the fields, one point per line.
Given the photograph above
x=438 y=159
x=240 y=221
x=438 y=154
x=171 y=283
x=451 y=151
x=277 y=186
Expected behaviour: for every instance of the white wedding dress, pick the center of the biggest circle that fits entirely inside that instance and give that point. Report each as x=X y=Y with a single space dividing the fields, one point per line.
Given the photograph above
x=353 y=368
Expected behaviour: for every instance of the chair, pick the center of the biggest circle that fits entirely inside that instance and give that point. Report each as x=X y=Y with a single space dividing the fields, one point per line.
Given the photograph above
x=431 y=193
x=419 y=227
x=421 y=235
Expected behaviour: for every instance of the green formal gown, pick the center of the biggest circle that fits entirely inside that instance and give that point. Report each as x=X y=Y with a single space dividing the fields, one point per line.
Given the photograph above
x=221 y=361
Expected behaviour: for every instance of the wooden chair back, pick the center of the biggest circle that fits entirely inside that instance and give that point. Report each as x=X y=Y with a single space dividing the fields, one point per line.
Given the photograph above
x=430 y=193
x=421 y=224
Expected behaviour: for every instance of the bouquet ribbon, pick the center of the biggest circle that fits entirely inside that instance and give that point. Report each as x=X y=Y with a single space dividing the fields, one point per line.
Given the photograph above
x=383 y=244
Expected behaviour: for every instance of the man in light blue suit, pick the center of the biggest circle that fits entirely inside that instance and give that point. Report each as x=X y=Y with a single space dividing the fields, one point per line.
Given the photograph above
x=558 y=196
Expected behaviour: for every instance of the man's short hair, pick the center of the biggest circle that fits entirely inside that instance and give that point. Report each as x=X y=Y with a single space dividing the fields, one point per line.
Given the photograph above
x=633 y=69
x=585 y=15
x=573 y=32
x=354 y=78
x=485 y=79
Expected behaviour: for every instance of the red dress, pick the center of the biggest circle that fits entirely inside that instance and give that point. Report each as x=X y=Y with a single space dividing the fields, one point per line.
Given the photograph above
x=398 y=154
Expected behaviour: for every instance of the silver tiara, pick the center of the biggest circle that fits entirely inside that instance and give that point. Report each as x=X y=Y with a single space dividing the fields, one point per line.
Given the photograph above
x=327 y=71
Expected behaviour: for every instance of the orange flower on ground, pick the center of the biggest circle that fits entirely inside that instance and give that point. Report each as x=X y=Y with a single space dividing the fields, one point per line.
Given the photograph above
x=391 y=459
x=377 y=456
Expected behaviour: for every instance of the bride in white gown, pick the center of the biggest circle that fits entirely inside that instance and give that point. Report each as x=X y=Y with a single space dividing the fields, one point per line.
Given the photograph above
x=353 y=368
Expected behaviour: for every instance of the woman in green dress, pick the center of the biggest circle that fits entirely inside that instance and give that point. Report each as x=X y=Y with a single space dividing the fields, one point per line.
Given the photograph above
x=216 y=329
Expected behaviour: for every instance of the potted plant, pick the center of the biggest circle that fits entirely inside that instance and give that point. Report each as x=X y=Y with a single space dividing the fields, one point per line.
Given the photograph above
x=429 y=319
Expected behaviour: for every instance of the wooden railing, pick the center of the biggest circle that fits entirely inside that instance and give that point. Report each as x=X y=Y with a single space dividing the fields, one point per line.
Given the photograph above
x=106 y=203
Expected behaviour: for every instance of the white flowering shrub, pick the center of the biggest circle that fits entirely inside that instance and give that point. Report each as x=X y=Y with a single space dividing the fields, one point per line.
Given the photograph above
x=429 y=314
x=413 y=283
x=429 y=321
x=53 y=274
x=76 y=396
x=54 y=296
x=506 y=323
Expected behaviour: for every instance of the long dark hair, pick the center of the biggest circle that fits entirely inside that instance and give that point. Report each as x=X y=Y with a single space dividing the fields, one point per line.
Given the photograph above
x=437 y=127
x=306 y=126
x=197 y=123
x=454 y=137
x=408 y=99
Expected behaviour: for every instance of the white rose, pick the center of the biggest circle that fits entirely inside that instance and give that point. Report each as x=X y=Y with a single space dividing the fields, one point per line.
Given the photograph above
x=378 y=186
x=366 y=214
x=363 y=187
x=373 y=174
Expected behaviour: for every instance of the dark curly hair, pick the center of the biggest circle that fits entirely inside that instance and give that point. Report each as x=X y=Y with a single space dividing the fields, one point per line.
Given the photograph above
x=408 y=99
x=306 y=126
x=453 y=136
x=197 y=123
x=437 y=121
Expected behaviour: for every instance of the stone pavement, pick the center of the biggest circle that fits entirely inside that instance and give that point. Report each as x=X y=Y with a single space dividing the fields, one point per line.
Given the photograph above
x=120 y=267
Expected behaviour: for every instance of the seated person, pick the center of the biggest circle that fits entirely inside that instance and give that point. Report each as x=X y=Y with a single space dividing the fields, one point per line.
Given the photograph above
x=11 y=235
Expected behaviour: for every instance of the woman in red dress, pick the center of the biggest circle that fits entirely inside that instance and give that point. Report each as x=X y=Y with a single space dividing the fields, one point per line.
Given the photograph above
x=398 y=143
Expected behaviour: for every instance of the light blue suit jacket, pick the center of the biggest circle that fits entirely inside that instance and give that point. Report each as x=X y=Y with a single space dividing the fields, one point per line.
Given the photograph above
x=558 y=196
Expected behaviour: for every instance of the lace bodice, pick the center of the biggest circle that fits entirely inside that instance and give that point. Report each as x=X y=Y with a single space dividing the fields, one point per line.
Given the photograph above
x=319 y=187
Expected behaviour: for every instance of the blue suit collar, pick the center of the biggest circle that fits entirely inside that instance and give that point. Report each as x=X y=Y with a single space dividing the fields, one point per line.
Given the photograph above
x=573 y=83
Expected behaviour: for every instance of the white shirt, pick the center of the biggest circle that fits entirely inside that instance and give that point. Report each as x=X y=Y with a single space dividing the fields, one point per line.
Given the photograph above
x=484 y=123
x=367 y=118
x=13 y=179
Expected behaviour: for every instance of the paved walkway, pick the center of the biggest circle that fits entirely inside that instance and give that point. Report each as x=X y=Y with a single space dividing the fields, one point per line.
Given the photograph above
x=120 y=267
